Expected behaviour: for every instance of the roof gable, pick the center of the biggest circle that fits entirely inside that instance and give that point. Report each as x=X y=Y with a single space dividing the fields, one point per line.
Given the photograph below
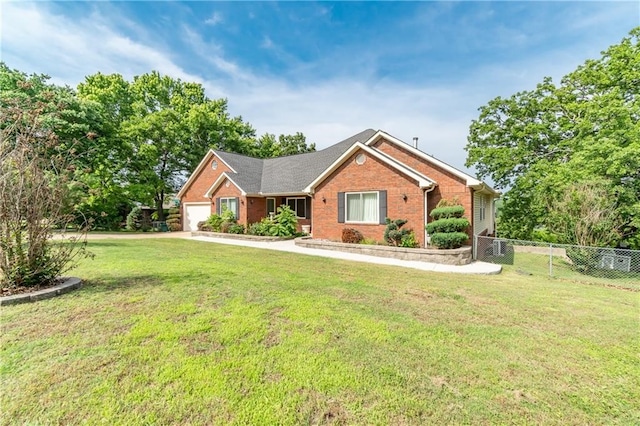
x=224 y=176
x=468 y=179
x=301 y=173
x=203 y=163
x=423 y=181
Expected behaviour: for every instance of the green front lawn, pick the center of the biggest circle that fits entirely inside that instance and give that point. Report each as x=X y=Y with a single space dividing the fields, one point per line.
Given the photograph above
x=170 y=331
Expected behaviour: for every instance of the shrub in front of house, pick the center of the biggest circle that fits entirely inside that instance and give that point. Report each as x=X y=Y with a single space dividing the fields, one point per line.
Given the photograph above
x=442 y=212
x=283 y=224
x=235 y=228
x=351 y=236
x=409 y=240
x=449 y=240
x=261 y=228
x=203 y=225
x=173 y=220
x=213 y=223
x=394 y=233
x=448 y=226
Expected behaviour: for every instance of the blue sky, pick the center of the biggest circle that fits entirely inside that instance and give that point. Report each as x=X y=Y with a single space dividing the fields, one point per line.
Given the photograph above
x=327 y=69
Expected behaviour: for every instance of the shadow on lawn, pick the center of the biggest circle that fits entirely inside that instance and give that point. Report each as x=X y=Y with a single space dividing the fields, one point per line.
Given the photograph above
x=120 y=283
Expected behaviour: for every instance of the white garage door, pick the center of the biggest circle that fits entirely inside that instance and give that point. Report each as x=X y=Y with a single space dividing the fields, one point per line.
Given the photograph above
x=195 y=213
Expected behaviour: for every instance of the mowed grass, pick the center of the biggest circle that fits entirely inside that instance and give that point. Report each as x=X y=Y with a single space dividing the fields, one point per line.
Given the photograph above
x=538 y=265
x=172 y=331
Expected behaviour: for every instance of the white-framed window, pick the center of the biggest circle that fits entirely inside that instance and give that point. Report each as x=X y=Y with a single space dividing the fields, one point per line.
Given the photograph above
x=362 y=207
x=228 y=203
x=483 y=211
x=271 y=206
x=298 y=205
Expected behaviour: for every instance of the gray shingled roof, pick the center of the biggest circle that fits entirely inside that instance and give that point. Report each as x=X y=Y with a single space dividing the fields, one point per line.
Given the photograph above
x=285 y=175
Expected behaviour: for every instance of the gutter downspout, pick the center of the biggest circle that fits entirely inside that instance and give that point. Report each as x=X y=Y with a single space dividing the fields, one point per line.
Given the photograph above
x=426 y=215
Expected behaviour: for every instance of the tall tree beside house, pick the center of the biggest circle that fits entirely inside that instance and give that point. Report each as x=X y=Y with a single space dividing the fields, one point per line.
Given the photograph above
x=107 y=199
x=171 y=127
x=556 y=140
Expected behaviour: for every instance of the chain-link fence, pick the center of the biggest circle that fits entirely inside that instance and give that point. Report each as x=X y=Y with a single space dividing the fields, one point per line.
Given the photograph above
x=597 y=265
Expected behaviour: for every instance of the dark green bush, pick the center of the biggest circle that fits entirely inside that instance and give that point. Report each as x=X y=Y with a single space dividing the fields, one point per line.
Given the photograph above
x=447 y=212
x=351 y=236
x=585 y=260
x=394 y=233
x=452 y=224
x=449 y=240
x=235 y=228
x=261 y=228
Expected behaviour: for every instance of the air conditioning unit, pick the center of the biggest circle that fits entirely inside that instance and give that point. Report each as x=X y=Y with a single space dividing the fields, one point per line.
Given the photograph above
x=610 y=260
x=499 y=247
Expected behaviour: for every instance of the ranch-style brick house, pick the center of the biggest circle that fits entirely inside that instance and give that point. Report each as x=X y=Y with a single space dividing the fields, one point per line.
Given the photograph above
x=356 y=183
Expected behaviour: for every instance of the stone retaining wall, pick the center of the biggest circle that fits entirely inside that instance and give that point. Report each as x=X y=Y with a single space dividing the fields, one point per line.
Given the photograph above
x=238 y=236
x=461 y=256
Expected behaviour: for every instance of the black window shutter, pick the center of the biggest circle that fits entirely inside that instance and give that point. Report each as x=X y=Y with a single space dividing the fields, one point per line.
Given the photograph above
x=340 y=207
x=307 y=208
x=382 y=201
x=218 y=206
x=237 y=208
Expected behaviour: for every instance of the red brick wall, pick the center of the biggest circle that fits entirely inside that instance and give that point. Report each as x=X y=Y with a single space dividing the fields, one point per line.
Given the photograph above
x=231 y=191
x=373 y=175
x=449 y=185
x=257 y=209
x=202 y=182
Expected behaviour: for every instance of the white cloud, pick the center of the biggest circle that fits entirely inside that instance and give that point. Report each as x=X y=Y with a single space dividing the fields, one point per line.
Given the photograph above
x=214 y=19
x=36 y=40
x=327 y=111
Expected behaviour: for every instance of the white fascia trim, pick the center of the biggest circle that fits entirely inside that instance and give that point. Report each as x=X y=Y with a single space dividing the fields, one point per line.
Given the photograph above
x=483 y=188
x=470 y=180
x=217 y=154
x=422 y=180
x=203 y=162
x=283 y=194
x=219 y=181
x=196 y=203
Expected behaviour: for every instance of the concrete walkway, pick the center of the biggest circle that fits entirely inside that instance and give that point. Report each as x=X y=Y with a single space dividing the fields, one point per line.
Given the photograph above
x=290 y=246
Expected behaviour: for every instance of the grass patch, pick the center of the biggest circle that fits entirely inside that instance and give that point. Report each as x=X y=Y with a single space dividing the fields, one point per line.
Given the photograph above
x=170 y=331
x=562 y=269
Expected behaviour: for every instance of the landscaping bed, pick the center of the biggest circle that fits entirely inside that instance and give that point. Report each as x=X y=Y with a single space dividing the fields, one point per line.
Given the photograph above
x=459 y=256
x=238 y=236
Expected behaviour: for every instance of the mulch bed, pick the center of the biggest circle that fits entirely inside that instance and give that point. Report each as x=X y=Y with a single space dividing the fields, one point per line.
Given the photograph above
x=10 y=291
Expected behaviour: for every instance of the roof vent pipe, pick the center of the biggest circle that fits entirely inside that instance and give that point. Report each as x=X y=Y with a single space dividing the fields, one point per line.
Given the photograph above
x=415 y=142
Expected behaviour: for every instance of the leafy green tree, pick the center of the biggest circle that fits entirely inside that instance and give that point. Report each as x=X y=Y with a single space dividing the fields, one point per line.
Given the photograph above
x=107 y=199
x=77 y=124
x=154 y=131
x=172 y=126
x=543 y=142
x=267 y=146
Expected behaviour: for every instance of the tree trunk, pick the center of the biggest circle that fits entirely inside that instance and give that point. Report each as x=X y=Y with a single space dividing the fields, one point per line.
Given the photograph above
x=158 y=199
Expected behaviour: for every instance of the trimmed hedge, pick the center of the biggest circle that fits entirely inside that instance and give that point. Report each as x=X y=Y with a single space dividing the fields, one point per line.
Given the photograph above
x=452 y=224
x=447 y=212
x=449 y=240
